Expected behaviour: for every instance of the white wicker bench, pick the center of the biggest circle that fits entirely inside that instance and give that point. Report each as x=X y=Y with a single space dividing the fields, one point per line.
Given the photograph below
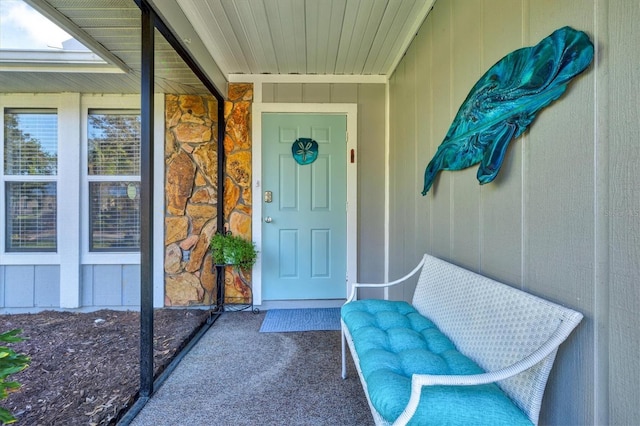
x=507 y=341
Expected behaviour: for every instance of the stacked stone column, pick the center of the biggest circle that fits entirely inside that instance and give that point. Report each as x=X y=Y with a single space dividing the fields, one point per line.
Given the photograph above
x=191 y=193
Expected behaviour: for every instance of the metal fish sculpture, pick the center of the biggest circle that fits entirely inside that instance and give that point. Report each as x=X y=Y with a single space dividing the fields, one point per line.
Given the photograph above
x=505 y=101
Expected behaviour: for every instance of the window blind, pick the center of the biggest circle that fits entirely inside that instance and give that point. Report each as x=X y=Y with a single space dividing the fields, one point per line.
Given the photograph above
x=30 y=142
x=113 y=138
x=31 y=212
x=114 y=143
x=114 y=210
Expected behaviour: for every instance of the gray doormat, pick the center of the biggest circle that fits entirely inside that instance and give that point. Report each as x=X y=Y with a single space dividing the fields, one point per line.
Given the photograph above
x=312 y=319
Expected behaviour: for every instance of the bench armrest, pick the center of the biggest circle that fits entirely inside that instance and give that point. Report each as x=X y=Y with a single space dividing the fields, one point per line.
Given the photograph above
x=546 y=349
x=356 y=286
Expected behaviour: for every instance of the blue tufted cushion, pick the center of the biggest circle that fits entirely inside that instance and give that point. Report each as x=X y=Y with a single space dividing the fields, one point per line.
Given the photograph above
x=394 y=341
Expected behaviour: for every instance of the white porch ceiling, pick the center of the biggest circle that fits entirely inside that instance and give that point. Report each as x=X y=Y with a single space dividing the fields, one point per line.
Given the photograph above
x=326 y=37
x=275 y=37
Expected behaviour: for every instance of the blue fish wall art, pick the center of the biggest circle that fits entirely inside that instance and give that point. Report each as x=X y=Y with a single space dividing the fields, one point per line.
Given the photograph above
x=505 y=101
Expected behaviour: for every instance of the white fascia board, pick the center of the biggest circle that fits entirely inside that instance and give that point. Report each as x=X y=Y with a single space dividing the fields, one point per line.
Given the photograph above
x=58 y=67
x=50 y=56
x=18 y=60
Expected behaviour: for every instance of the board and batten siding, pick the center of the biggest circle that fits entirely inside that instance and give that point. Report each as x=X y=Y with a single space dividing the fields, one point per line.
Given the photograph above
x=618 y=162
x=30 y=288
x=115 y=286
x=370 y=98
x=562 y=219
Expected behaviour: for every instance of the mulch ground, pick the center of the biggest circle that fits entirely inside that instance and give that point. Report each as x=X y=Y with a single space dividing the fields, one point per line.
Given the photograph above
x=85 y=366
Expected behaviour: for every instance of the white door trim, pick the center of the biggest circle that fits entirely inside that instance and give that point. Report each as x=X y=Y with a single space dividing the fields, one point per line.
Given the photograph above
x=351 y=112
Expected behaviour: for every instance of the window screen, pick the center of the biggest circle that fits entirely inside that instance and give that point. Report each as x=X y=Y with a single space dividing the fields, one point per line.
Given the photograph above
x=31 y=216
x=29 y=170
x=115 y=216
x=114 y=143
x=31 y=142
x=114 y=198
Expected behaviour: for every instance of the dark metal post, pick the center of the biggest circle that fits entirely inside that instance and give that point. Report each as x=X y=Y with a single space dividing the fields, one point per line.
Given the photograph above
x=149 y=21
x=146 y=202
x=220 y=209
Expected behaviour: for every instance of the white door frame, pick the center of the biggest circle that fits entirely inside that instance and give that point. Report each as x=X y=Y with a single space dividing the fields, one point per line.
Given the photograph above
x=351 y=112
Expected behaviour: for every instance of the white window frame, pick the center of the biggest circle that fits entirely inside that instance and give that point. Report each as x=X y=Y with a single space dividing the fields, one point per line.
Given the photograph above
x=32 y=258
x=89 y=179
x=72 y=191
x=104 y=102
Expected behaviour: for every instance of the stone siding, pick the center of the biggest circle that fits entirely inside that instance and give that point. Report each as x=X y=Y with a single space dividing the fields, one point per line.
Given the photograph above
x=237 y=185
x=191 y=194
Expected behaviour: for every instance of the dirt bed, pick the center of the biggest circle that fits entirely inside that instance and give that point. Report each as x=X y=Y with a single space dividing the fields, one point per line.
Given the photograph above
x=85 y=366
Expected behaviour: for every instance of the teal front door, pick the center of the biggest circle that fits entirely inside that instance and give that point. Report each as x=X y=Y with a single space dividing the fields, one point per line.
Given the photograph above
x=304 y=221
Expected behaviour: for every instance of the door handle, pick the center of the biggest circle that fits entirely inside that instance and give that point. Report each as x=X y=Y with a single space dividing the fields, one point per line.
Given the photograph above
x=268 y=219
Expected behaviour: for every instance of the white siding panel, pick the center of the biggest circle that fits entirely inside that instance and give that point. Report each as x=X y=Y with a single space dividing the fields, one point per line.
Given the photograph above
x=443 y=113
x=424 y=138
x=501 y=205
x=107 y=285
x=624 y=211
x=19 y=289
x=131 y=285
x=559 y=211
x=47 y=286
x=539 y=225
x=371 y=180
x=406 y=173
x=466 y=61
x=86 y=285
x=349 y=93
x=288 y=92
x=317 y=93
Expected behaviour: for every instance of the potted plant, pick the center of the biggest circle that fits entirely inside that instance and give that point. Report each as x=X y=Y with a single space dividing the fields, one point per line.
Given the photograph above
x=230 y=249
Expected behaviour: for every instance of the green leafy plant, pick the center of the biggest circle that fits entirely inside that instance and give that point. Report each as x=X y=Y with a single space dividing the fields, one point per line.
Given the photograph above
x=230 y=249
x=10 y=363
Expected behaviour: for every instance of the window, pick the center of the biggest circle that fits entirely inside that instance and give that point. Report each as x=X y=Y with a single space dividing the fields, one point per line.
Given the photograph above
x=30 y=176
x=113 y=169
